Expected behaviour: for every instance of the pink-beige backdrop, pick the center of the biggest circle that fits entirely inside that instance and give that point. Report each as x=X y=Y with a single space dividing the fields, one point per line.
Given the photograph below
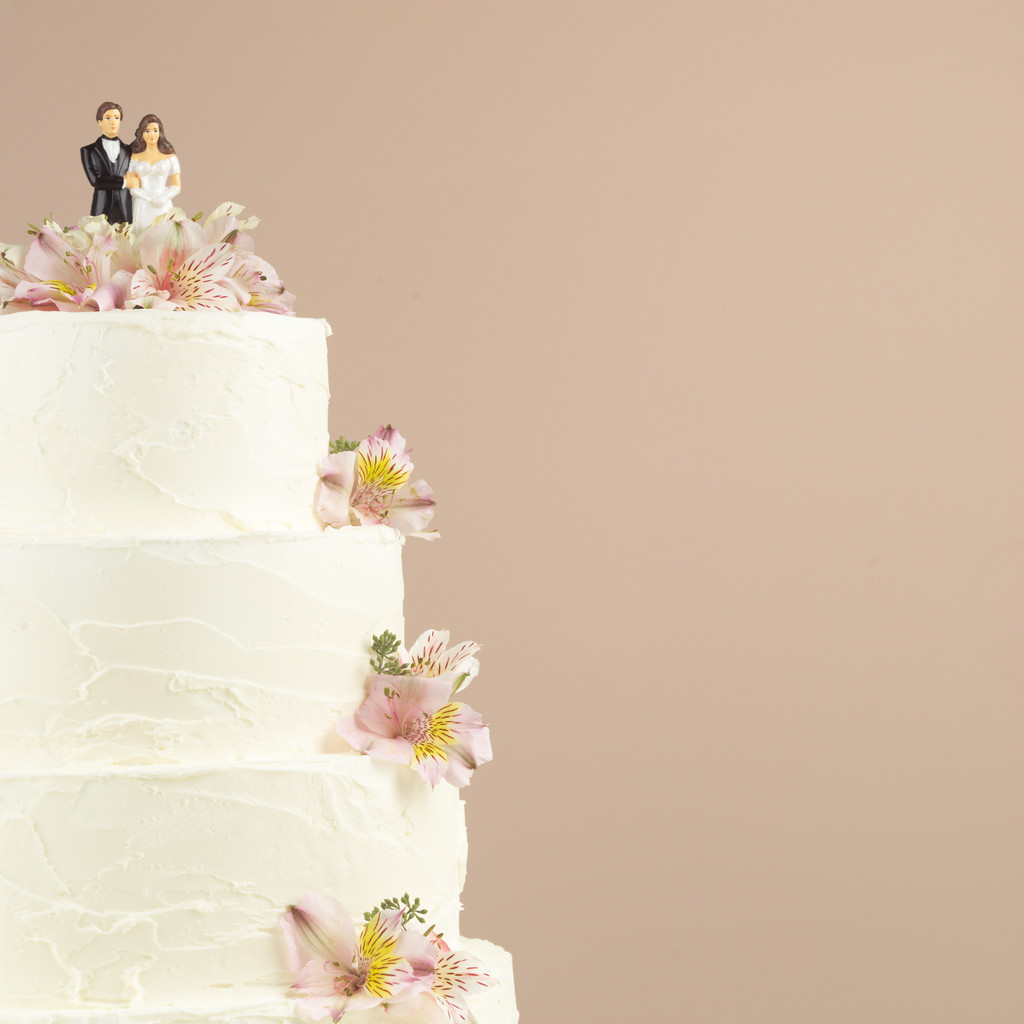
x=704 y=321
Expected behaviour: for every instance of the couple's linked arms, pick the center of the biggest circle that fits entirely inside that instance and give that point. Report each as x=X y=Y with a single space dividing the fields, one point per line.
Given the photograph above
x=100 y=176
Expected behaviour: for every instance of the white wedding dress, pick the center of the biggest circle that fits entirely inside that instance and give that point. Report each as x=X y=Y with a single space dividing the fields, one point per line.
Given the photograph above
x=153 y=196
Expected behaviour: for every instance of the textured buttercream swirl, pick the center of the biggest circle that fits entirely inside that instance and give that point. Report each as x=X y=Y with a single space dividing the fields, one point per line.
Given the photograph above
x=143 y=886
x=177 y=639
x=131 y=651
x=174 y=422
x=266 y=1005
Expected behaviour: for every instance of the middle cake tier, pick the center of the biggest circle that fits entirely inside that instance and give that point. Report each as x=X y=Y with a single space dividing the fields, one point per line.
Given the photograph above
x=143 y=886
x=157 y=651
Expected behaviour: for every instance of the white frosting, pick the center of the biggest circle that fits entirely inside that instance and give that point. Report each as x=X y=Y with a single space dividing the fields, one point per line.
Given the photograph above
x=141 y=651
x=172 y=423
x=141 y=886
x=496 y=1005
x=177 y=638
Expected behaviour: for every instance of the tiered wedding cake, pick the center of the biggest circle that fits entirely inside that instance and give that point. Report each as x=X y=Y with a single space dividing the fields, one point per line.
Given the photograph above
x=179 y=636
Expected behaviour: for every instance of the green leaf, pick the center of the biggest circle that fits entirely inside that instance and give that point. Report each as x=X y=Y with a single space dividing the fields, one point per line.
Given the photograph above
x=341 y=445
x=411 y=910
x=387 y=663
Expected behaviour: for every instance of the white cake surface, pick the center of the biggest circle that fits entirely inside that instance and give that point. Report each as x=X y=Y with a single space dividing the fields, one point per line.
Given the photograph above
x=143 y=885
x=178 y=637
x=175 y=423
x=129 y=651
x=495 y=1005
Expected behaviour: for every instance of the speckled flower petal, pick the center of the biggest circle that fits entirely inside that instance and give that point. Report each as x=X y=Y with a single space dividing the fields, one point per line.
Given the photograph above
x=318 y=928
x=456 y=976
x=337 y=478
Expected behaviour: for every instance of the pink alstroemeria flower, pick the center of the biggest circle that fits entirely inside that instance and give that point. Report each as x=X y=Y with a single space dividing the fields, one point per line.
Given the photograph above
x=456 y=975
x=411 y=720
x=255 y=277
x=12 y=270
x=111 y=246
x=371 y=485
x=173 y=264
x=77 y=269
x=225 y=224
x=431 y=656
x=260 y=281
x=337 y=971
x=179 y=270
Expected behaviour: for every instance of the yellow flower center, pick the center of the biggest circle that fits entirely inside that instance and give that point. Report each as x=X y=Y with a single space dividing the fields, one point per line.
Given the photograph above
x=379 y=472
x=376 y=959
x=62 y=286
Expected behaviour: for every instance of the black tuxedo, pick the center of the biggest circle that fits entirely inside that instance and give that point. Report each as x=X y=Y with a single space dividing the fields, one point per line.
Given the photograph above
x=109 y=195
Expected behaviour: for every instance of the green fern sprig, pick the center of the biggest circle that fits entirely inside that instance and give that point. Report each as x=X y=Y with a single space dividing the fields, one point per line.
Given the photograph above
x=387 y=663
x=411 y=910
x=341 y=445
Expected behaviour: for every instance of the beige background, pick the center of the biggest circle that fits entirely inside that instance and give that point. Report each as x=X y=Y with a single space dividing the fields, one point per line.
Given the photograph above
x=704 y=320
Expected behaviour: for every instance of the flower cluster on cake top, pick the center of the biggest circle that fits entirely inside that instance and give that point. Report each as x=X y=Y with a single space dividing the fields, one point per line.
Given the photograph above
x=367 y=482
x=175 y=263
x=409 y=715
x=388 y=963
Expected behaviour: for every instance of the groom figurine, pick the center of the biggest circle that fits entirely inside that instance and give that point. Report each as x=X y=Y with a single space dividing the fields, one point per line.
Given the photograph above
x=106 y=166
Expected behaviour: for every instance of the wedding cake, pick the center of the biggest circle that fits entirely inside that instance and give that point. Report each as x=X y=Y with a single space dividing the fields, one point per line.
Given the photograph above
x=189 y=825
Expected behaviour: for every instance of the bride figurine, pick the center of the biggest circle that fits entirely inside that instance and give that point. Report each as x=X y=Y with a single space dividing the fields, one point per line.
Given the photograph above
x=159 y=172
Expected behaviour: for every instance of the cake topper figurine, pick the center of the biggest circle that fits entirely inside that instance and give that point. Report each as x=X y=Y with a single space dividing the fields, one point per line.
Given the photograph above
x=156 y=167
x=106 y=166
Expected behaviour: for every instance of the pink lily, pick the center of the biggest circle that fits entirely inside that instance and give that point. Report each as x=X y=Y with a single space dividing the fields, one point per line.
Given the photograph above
x=431 y=656
x=56 y=295
x=411 y=720
x=225 y=225
x=456 y=975
x=255 y=277
x=173 y=264
x=12 y=270
x=337 y=971
x=74 y=269
x=261 y=283
x=371 y=485
x=109 y=245
x=180 y=271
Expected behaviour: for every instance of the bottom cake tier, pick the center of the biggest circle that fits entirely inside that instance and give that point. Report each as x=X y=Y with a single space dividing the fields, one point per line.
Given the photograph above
x=128 y=891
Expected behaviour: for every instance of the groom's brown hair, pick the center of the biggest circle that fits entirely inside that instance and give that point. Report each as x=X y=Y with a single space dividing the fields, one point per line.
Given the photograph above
x=104 y=107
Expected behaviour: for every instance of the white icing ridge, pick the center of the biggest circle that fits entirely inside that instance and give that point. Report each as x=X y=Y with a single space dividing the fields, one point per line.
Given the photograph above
x=189 y=423
x=117 y=651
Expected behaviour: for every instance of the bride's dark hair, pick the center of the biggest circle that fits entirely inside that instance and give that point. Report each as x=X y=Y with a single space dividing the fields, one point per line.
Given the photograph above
x=139 y=145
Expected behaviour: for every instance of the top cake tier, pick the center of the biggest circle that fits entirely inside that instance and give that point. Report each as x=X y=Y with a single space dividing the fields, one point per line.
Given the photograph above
x=146 y=422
